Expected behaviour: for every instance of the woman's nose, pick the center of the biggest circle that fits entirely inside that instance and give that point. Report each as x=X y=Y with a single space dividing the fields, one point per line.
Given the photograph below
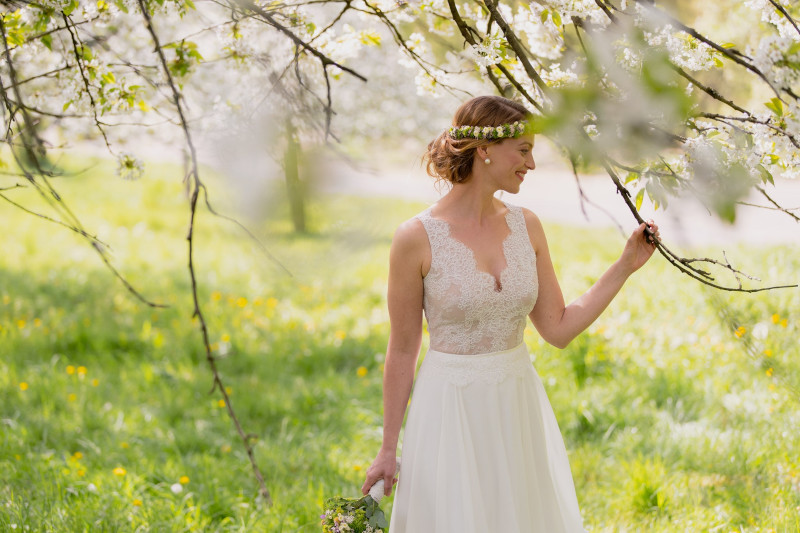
x=532 y=164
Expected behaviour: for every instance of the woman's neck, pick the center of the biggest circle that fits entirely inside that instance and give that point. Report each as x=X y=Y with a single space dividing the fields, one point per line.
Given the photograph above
x=471 y=200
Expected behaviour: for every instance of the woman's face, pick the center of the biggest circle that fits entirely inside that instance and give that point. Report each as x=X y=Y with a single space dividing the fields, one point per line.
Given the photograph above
x=511 y=159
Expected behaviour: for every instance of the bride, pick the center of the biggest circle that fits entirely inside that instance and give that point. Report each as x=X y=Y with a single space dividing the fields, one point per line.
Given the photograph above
x=482 y=450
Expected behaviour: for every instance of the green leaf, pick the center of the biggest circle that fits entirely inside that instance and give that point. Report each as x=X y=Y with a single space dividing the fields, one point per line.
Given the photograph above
x=108 y=77
x=639 y=199
x=47 y=40
x=557 y=18
x=728 y=45
x=543 y=15
x=190 y=4
x=66 y=105
x=631 y=176
x=718 y=62
x=776 y=106
x=766 y=175
x=70 y=7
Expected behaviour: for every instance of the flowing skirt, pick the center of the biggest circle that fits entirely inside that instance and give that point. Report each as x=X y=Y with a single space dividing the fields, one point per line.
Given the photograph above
x=482 y=451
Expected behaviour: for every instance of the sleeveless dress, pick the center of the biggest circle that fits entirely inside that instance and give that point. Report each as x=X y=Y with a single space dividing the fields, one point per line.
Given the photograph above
x=481 y=450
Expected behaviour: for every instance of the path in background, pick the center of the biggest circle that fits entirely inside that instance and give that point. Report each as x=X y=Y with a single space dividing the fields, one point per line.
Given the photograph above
x=551 y=192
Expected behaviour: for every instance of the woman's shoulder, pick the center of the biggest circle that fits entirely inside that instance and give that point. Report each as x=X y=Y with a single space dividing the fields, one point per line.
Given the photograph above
x=531 y=219
x=534 y=228
x=411 y=233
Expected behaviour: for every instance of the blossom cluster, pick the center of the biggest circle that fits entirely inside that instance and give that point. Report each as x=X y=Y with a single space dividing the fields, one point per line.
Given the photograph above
x=503 y=131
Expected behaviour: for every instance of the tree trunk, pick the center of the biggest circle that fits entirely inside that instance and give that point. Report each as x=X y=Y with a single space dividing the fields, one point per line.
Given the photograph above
x=294 y=187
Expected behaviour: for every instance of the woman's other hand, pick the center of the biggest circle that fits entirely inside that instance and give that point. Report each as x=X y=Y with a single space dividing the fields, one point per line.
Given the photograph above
x=383 y=467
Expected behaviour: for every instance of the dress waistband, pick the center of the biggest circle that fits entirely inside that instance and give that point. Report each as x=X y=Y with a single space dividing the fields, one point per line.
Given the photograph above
x=491 y=367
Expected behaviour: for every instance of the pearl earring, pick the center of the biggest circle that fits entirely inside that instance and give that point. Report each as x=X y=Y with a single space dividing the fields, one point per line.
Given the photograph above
x=487 y=160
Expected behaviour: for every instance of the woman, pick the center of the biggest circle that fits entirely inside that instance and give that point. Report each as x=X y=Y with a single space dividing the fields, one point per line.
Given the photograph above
x=482 y=450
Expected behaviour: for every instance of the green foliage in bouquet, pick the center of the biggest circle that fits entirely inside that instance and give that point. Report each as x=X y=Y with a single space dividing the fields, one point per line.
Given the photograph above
x=363 y=515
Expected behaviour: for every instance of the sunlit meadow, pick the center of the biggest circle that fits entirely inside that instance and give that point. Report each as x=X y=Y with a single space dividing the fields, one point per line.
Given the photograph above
x=679 y=406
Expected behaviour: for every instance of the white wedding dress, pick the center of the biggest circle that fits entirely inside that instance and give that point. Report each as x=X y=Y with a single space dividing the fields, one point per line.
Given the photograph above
x=481 y=452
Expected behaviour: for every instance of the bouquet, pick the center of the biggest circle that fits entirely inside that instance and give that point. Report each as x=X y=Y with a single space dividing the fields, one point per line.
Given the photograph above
x=350 y=515
x=363 y=515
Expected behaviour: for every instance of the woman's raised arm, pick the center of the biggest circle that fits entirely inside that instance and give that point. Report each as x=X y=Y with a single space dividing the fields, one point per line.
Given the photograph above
x=559 y=324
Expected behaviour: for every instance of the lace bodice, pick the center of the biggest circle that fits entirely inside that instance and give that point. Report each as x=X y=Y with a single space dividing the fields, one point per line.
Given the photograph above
x=466 y=313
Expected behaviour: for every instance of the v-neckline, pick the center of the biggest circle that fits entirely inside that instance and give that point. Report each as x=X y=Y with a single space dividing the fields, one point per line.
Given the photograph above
x=498 y=280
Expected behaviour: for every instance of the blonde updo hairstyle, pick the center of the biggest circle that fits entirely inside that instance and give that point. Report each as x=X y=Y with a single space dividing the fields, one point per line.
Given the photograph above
x=451 y=159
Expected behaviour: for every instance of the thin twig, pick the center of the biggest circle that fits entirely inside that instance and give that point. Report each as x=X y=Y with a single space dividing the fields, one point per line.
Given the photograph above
x=196 y=187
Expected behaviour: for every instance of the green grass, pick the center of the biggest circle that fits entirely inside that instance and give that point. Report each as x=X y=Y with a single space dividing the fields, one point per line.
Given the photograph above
x=673 y=421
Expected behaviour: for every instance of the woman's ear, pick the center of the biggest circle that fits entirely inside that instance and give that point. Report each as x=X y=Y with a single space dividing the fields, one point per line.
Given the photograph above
x=482 y=151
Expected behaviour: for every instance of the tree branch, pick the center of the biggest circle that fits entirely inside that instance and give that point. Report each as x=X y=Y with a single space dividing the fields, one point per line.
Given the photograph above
x=196 y=187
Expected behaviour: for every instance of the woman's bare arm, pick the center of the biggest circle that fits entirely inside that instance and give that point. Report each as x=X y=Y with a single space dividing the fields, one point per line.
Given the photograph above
x=559 y=324
x=409 y=252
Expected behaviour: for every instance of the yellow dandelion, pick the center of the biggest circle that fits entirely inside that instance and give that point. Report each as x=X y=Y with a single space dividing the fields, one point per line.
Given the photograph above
x=65 y=471
x=225 y=338
x=23 y=386
x=95 y=382
x=362 y=371
x=184 y=480
x=776 y=318
x=226 y=448
x=119 y=471
x=37 y=322
x=124 y=445
x=214 y=346
x=70 y=369
x=241 y=301
x=229 y=390
x=21 y=323
x=18 y=457
x=81 y=370
x=216 y=296
x=137 y=503
x=357 y=468
x=784 y=323
x=272 y=303
x=340 y=334
x=768 y=352
x=72 y=397
x=221 y=403
x=77 y=456
x=81 y=472
x=769 y=371
x=741 y=330
x=771 y=386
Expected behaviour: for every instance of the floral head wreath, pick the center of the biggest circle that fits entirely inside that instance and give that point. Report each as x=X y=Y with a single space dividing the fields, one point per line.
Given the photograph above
x=503 y=131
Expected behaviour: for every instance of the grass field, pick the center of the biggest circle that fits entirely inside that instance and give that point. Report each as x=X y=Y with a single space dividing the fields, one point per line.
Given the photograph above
x=679 y=406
